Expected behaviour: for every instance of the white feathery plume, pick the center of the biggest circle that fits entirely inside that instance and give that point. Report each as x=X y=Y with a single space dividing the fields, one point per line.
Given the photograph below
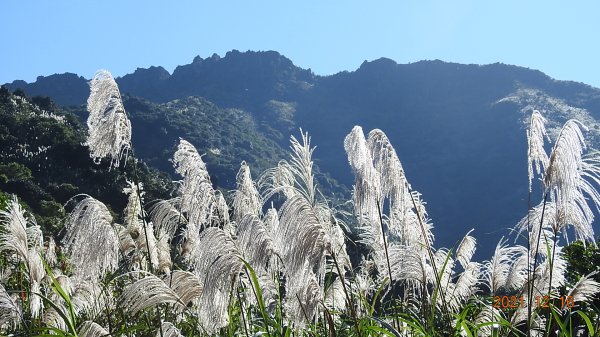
x=536 y=154
x=443 y=259
x=246 y=199
x=300 y=237
x=166 y=216
x=133 y=212
x=197 y=194
x=385 y=160
x=52 y=318
x=185 y=284
x=363 y=283
x=268 y=288
x=279 y=179
x=367 y=186
x=108 y=126
x=147 y=243
x=10 y=311
x=36 y=273
x=496 y=271
x=255 y=241
x=126 y=241
x=541 y=274
x=50 y=254
x=92 y=329
x=338 y=241
x=13 y=235
x=271 y=219
x=335 y=298
x=568 y=175
x=222 y=210
x=293 y=177
x=517 y=274
x=163 y=250
x=566 y=158
x=147 y=292
x=215 y=259
x=302 y=301
x=88 y=297
x=487 y=315
x=466 y=249
x=407 y=264
x=167 y=329
x=302 y=166
x=466 y=285
x=91 y=241
x=585 y=289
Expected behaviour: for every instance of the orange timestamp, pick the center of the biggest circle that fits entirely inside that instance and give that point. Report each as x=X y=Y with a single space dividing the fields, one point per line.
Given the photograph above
x=514 y=302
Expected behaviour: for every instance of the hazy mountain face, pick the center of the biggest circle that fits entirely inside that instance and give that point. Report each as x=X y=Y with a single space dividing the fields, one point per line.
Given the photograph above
x=459 y=130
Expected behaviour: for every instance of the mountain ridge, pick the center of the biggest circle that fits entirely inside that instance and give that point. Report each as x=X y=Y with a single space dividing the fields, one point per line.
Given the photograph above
x=459 y=130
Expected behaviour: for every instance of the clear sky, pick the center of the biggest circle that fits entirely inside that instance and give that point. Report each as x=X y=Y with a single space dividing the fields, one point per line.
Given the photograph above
x=560 y=38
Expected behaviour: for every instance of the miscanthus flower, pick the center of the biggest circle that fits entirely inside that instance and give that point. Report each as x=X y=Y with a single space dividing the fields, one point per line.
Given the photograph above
x=109 y=129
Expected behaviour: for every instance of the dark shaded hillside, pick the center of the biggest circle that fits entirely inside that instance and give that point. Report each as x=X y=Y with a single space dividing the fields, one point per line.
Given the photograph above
x=458 y=129
x=43 y=162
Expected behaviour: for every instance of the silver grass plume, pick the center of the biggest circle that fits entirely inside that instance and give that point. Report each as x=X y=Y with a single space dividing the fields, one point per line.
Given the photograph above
x=536 y=154
x=167 y=329
x=487 y=315
x=185 y=284
x=554 y=265
x=145 y=241
x=567 y=177
x=36 y=275
x=147 y=292
x=255 y=241
x=408 y=265
x=215 y=259
x=466 y=285
x=392 y=179
x=197 y=194
x=246 y=199
x=222 y=210
x=363 y=284
x=367 y=185
x=466 y=249
x=52 y=318
x=585 y=289
x=335 y=298
x=108 y=126
x=26 y=242
x=293 y=177
x=163 y=252
x=271 y=219
x=303 y=298
x=89 y=298
x=300 y=237
x=13 y=235
x=92 y=329
x=50 y=254
x=166 y=216
x=91 y=241
x=302 y=166
x=497 y=270
x=10 y=311
x=279 y=179
x=133 y=212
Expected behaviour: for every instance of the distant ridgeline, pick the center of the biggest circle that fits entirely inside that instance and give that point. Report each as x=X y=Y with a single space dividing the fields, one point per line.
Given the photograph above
x=459 y=130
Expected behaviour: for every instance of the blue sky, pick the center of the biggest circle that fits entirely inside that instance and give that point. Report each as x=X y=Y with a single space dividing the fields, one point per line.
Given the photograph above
x=45 y=37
